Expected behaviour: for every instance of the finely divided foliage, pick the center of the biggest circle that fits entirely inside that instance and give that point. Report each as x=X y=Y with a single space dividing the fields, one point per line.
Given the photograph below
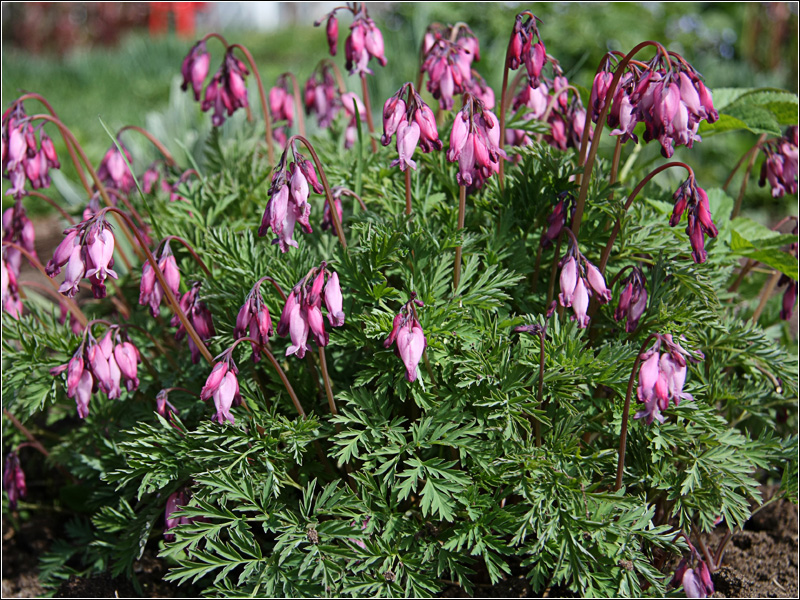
x=452 y=424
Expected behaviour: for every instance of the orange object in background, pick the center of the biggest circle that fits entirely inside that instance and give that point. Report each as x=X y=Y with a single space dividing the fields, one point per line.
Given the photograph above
x=184 y=14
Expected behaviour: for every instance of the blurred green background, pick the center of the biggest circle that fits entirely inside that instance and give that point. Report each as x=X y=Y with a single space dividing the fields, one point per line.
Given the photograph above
x=118 y=72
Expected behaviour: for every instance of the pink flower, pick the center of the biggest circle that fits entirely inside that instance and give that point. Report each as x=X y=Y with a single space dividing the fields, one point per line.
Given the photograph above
x=411 y=340
x=407 y=138
x=14 y=480
x=195 y=68
x=113 y=171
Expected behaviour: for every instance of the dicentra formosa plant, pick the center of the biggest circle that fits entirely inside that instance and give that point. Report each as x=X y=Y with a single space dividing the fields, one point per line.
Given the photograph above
x=418 y=440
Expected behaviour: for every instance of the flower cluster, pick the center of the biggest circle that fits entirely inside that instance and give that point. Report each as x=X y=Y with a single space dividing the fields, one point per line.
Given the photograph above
x=565 y=117
x=107 y=365
x=288 y=199
x=113 y=171
x=23 y=159
x=87 y=251
x=223 y=386
x=790 y=294
x=321 y=96
x=632 y=300
x=254 y=320
x=227 y=90
x=150 y=291
x=661 y=378
x=200 y=317
x=18 y=229
x=668 y=96
x=579 y=280
x=12 y=303
x=302 y=312
x=281 y=108
x=411 y=340
x=352 y=103
x=522 y=49
x=14 y=480
x=195 y=68
x=414 y=123
x=696 y=582
x=780 y=166
x=449 y=53
x=558 y=219
x=699 y=222
x=364 y=42
x=475 y=143
x=173 y=516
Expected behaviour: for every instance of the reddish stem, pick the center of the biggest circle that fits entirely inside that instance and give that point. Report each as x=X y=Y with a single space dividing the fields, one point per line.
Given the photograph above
x=54 y=204
x=191 y=250
x=67 y=143
x=631 y=198
x=153 y=140
x=280 y=372
x=171 y=300
x=298 y=103
x=98 y=184
x=264 y=105
x=368 y=110
x=73 y=307
x=587 y=167
x=334 y=214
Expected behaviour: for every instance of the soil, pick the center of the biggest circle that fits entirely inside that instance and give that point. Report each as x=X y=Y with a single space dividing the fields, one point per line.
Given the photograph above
x=759 y=562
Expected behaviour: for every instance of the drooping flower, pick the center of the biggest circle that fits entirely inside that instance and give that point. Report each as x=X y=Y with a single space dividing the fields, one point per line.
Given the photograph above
x=113 y=171
x=87 y=251
x=302 y=313
x=150 y=291
x=281 y=108
x=661 y=377
x=448 y=63
x=107 y=366
x=693 y=199
x=173 y=515
x=475 y=143
x=523 y=50
x=409 y=338
x=579 y=280
x=780 y=165
x=413 y=122
x=254 y=320
x=22 y=160
x=321 y=96
x=199 y=316
x=364 y=42
x=288 y=203
x=667 y=95
x=227 y=91
x=632 y=300
x=14 y=480
x=195 y=68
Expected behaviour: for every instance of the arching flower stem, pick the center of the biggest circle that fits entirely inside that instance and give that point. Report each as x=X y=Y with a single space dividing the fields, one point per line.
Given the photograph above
x=67 y=143
x=281 y=374
x=71 y=304
x=191 y=250
x=54 y=204
x=337 y=224
x=298 y=103
x=589 y=164
x=631 y=198
x=153 y=140
x=171 y=300
x=264 y=105
x=368 y=111
x=737 y=207
x=67 y=134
